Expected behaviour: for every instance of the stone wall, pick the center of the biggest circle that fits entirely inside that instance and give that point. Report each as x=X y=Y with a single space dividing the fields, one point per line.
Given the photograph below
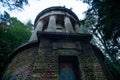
x=41 y=63
x=21 y=67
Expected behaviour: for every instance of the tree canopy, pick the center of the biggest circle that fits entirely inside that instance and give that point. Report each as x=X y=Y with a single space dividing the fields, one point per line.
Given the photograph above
x=102 y=20
x=14 y=4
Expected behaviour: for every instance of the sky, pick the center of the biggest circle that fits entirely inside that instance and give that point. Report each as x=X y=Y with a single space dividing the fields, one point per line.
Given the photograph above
x=36 y=6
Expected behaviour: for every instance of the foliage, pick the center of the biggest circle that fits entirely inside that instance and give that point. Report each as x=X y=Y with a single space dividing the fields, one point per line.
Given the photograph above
x=13 y=33
x=14 y=4
x=102 y=20
x=29 y=25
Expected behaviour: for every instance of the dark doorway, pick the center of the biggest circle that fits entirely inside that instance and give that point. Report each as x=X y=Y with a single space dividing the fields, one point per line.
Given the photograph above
x=69 y=68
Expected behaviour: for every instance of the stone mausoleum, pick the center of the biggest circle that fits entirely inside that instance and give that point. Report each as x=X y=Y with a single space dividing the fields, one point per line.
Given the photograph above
x=57 y=51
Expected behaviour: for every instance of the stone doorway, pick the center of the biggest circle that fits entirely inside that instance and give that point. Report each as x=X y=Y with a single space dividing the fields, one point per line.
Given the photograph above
x=69 y=68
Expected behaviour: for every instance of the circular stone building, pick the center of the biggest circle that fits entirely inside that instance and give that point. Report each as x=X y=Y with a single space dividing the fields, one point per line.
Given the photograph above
x=57 y=51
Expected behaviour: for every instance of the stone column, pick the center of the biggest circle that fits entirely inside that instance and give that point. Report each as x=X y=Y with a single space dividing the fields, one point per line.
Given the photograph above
x=68 y=25
x=39 y=27
x=51 y=24
x=77 y=28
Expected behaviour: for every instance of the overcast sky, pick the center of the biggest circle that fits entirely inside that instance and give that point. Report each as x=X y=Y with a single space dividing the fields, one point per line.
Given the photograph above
x=35 y=6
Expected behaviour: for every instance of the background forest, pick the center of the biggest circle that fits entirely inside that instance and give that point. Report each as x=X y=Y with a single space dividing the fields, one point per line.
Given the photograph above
x=13 y=33
x=102 y=20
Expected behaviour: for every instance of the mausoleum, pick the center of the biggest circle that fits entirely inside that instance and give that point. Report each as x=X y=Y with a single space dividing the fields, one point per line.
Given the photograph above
x=57 y=50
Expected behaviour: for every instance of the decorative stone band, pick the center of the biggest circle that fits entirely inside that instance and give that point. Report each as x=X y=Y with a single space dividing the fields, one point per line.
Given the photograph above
x=53 y=36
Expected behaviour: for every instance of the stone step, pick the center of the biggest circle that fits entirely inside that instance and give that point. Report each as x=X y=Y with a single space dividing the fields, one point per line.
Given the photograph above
x=45 y=76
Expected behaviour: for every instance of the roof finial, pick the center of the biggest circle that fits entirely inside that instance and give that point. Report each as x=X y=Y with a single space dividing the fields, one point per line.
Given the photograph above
x=64 y=6
x=71 y=8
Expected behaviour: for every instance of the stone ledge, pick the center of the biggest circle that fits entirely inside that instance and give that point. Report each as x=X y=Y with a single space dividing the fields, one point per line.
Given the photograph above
x=56 y=36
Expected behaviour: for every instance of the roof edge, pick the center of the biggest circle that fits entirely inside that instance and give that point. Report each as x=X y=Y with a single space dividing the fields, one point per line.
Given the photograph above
x=57 y=8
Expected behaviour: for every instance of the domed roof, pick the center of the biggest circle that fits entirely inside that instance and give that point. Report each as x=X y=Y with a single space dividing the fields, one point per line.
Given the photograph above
x=56 y=8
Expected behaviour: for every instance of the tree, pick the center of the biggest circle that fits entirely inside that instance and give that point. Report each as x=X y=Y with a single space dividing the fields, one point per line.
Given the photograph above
x=102 y=20
x=29 y=25
x=104 y=25
x=14 y=4
x=13 y=33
